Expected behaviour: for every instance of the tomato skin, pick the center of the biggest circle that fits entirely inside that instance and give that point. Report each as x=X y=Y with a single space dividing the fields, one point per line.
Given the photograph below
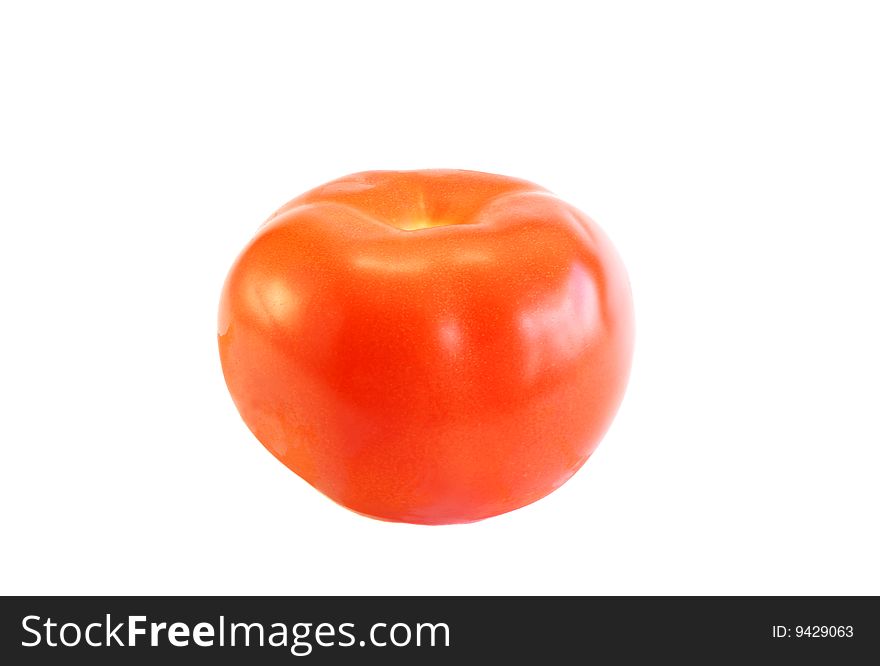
x=428 y=374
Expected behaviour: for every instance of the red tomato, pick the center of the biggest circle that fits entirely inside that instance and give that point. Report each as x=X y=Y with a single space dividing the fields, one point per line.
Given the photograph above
x=430 y=346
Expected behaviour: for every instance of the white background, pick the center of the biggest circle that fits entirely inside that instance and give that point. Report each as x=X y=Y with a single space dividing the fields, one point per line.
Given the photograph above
x=730 y=150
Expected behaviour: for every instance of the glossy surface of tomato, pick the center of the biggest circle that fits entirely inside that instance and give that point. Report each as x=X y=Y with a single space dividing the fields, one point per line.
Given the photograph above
x=431 y=346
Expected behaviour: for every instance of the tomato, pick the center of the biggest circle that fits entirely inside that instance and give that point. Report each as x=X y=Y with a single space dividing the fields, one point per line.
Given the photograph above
x=432 y=346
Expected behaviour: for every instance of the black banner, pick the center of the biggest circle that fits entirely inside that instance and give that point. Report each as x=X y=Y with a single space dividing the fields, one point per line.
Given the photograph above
x=438 y=630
